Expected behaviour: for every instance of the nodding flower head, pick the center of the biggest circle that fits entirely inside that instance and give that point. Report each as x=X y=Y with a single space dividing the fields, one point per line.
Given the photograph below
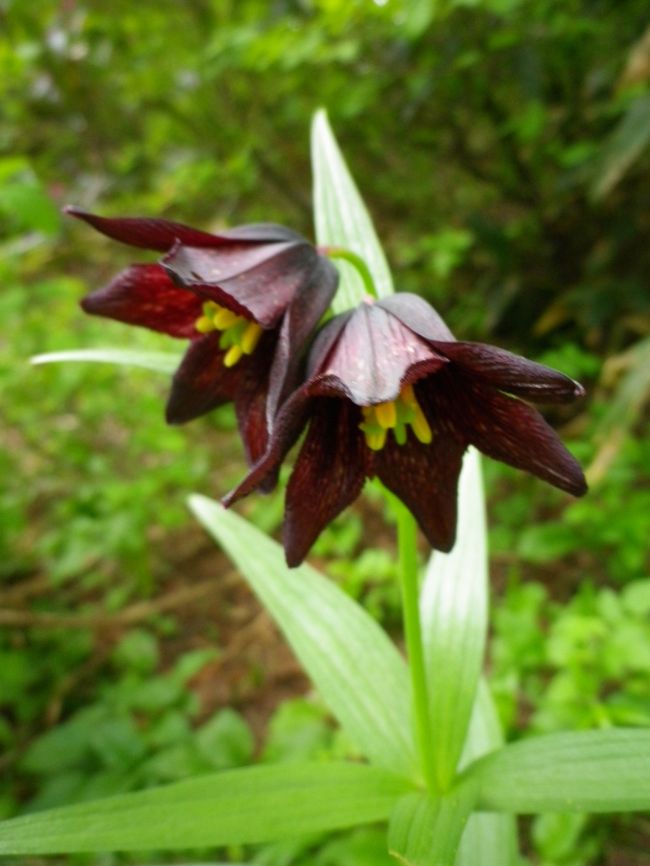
x=247 y=299
x=390 y=393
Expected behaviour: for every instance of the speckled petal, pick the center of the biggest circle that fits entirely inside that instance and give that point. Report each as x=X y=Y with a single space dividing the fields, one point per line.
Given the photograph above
x=425 y=478
x=374 y=354
x=328 y=475
x=511 y=373
x=504 y=428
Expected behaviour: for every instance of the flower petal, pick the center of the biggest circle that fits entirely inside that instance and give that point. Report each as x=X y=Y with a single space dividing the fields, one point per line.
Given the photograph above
x=425 y=478
x=417 y=315
x=161 y=235
x=512 y=373
x=328 y=475
x=324 y=340
x=250 y=400
x=288 y=427
x=374 y=354
x=150 y=234
x=505 y=428
x=144 y=295
x=202 y=382
x=257 y=281
x=299 y=322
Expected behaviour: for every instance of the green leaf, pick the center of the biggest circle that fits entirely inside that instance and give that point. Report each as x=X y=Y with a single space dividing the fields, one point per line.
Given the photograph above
x=585 y=771
x=490 y=838
x=251 y=805
x=454 y=625
x=361 y=676
x=426 y=830
x=342 y=219
x=159 y=362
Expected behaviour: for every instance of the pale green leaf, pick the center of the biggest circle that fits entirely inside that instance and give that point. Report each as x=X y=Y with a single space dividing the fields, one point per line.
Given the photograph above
x=341 y=217
x=426 y=830
x=159 y=362
x=585 y=771
x=454 y=608
x=359 y=673
x=490 y=838
x=250 y=805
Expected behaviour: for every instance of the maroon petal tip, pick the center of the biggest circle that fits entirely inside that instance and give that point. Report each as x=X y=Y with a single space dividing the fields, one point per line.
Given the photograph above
x=73 y=210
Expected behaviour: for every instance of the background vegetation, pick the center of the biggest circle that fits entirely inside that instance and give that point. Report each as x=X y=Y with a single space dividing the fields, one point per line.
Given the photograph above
x=502 y=146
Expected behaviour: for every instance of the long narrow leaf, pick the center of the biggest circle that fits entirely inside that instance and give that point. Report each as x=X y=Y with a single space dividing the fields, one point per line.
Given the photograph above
x=426 y=830
x=342 y=219
x=356 y=668
x=159 y=362
x=255 y=804
x=454 y=624
x=490 y=838
x=585 y=771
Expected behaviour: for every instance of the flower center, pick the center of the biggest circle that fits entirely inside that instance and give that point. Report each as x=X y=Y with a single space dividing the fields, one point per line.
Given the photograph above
x=239 y=336
x=395 y=415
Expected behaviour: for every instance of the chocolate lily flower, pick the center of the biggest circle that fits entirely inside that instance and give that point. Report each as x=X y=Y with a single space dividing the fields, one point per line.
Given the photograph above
x=391 y=393
x=247 y=298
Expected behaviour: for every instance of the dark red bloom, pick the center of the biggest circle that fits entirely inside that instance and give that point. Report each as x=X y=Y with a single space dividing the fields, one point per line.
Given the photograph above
x=391 y=393
x=247 y=298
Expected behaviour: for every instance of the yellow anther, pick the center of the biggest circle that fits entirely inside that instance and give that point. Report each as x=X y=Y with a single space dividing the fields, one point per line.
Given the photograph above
x=204 y=325
x=233 y=355
x=396 y=415
x=377 y=439
x=224 y=319
x=386 y=414
x=420 y=427
x=250 y=338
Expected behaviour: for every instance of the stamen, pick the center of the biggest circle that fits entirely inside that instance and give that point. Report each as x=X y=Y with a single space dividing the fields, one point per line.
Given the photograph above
x=233 y=355
x=377 y=439
x=386 y=414
x=421 y=428
x=239 y=336
x=396 y=415
x=224 y=319
x=251 y=338
x=204 y=325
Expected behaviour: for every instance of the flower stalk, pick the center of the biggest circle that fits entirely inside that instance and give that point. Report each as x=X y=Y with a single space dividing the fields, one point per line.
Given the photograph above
x=408 y=573
x=357 y=262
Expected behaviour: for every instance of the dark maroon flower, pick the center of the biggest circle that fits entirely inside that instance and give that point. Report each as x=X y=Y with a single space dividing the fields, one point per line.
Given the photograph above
x=391 y=393
x=247 y=298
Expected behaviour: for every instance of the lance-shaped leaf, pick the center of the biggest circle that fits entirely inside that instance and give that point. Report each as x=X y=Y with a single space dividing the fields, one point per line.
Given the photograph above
x=454 y=625
x=342 y=219
x=426 y=830
x=585 y=771
x=159 y=362
x=250 y=805
x=490 y=838
x=359 y=673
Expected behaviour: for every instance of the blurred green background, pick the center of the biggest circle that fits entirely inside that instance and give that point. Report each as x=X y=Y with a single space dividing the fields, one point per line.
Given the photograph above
x=503 y=147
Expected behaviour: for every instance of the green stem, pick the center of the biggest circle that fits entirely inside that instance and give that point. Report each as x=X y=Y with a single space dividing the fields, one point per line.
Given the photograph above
x=408 y=568
x=357 y=263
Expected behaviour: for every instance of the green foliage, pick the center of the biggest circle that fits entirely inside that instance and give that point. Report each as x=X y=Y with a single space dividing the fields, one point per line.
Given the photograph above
x=579 y=664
